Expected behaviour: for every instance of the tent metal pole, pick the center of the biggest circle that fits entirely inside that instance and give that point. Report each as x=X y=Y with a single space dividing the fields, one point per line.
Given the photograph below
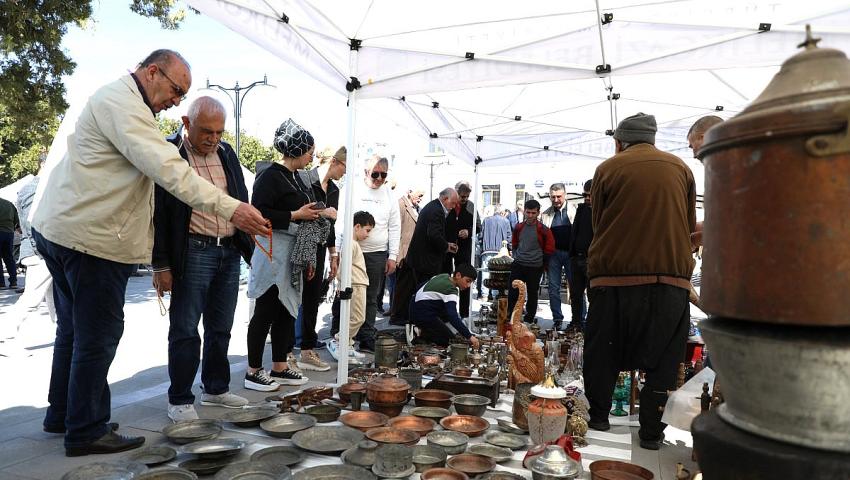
x=351 y=179
x=599 y=27
x=476 y=204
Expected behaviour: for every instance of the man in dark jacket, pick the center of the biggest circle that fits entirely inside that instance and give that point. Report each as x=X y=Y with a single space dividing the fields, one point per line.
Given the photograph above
x=580 y=238
x=8 y=224
x=459 y=230
x=533 y=244
x=640 y=266
x=427 y=251
x=196 y=258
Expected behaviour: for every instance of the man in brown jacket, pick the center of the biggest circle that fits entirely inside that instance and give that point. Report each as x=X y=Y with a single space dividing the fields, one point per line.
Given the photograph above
x=408 y=210
x=639 y=265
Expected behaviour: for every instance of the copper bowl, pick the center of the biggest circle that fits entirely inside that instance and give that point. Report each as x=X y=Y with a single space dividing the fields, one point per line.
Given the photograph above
x=468 y=424
x=388 y=409
x=430 y=397
x=393 y=435
x=471 y=404
x=364 y=420
x=471 y=464
x=443 y=474
x=422 y=426
x=428 y=359
x=462 y=372
x=614 y=470
x=344 y=391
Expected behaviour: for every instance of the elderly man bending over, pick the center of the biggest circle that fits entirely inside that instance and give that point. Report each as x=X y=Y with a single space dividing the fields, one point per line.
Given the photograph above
x=95 y=223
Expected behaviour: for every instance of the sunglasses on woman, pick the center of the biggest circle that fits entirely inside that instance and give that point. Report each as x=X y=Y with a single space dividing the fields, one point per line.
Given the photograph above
x=375 y=175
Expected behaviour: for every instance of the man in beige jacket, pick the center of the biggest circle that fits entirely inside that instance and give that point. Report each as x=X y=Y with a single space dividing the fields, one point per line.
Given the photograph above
x=94 y=224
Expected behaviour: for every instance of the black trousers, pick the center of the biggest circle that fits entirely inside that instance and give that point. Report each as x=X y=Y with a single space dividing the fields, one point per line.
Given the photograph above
x=269 y=313
x=531 y=277
x=628 y=328
x=434 y=330
x=311 y=297
x=578 y=284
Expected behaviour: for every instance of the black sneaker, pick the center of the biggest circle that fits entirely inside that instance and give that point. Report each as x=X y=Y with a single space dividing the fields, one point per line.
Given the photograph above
x=260 y=381
x=654 y=444
x=289 y=377
x=366 y=347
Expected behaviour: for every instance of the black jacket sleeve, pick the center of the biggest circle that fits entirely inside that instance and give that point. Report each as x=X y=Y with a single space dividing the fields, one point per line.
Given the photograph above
x=267 y=188
x=162 y=224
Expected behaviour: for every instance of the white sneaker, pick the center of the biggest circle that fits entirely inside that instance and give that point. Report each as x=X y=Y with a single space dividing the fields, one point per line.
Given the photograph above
x=333 y=348
x=310 y=361
x=182 y=413
x=226 y=399
x=355 y=354
x=292 y=363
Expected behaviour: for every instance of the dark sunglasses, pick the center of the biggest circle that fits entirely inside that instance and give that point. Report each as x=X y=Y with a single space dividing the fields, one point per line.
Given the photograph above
x=178 y=90
x=585 y=195
x=375 y=175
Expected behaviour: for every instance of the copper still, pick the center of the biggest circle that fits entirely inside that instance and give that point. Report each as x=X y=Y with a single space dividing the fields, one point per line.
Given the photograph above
x=777 y=184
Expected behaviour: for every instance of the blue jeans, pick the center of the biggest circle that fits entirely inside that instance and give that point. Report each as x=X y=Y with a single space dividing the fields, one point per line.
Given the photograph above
x=558 y=261
x=209 y=287
x=89 y=295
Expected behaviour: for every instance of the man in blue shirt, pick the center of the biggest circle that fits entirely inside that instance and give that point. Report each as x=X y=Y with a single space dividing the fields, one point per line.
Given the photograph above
x=494 y=230
x=435 y=304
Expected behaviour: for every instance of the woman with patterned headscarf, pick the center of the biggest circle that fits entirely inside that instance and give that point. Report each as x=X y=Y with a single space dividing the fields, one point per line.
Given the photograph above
x=283 y=198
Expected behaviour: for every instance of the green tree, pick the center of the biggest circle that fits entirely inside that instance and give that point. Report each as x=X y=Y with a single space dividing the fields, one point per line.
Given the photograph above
x=32 y=64
x=251 y=150
x=167 y=125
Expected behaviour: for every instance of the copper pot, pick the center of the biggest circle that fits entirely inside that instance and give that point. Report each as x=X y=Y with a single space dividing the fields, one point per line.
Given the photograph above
x=428 y=359
x=387 y=389
x=344 y=391
x=776 y=195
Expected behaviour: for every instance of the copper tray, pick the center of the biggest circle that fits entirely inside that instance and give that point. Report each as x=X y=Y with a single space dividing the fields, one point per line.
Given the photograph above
x=422 y=426
x=335 y=472
x=614 y=470
x=327 y=440
x=468 y=424
x=285 y=456
x=192 y=431
x=430 y=397
x=393 y=435
x=285 y=425
x=153 y=455
x=364 y=420
x=250 y=417
x=471 y=464
x=167 y=473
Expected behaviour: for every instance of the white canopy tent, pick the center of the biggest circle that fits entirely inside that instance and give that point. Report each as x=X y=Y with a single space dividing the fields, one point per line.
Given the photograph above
x=536 y=81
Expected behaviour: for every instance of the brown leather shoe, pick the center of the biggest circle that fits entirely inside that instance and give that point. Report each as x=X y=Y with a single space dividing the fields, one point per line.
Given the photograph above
x=109 y=443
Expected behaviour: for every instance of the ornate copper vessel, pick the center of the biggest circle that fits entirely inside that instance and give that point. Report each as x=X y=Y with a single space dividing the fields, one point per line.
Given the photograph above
x=776 y=193
x=387 y=389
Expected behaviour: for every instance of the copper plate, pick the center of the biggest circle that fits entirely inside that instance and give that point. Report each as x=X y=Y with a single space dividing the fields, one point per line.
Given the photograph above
x=468 y=424
x=614 y=470
x=335 y=472
x=327 y=440
x=422 y=426
x=167 y=473
x=285 y=456
x=393 y=435
x=364 y=420
x=443 y=474
x=471 y=464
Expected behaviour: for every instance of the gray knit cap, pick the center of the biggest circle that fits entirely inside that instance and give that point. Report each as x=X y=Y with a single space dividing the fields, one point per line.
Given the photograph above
x=640 y=127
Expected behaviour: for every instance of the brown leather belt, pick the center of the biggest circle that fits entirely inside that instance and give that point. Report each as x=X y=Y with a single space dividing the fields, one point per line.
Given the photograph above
x=633 y=280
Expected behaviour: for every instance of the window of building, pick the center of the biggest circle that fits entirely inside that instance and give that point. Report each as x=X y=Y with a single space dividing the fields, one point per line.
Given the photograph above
x=490 y=194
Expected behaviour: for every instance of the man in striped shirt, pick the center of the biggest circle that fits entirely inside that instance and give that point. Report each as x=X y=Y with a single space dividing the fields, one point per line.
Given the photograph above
x=435 y=304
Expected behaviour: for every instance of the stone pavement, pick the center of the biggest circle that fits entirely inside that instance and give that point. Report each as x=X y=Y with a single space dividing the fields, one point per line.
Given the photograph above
x=139 y=382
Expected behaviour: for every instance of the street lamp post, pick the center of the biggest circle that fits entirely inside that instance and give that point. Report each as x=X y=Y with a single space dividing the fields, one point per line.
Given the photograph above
x=431 y=162
x=237 y=100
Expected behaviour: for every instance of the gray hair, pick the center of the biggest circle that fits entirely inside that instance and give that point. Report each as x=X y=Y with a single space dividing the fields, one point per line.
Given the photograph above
x=163 y=56
x=463 y=187
x=376 y=160
x=205 y=104
x=447 y=192
x=557 y=187
x=703 y=124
